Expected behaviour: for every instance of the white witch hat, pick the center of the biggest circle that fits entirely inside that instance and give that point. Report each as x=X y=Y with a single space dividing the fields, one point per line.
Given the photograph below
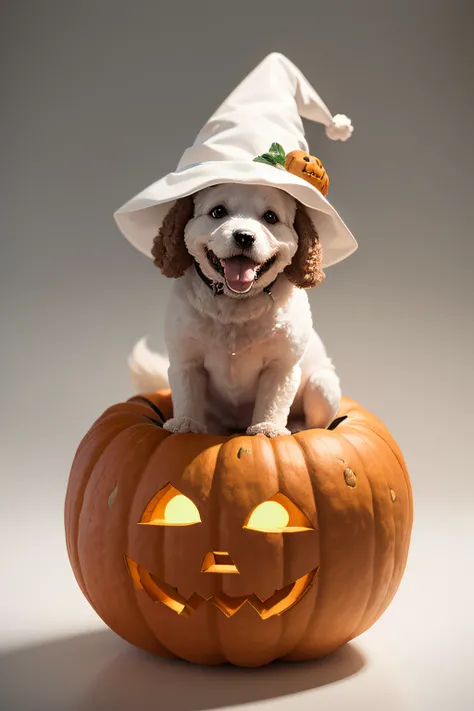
x=264 y=109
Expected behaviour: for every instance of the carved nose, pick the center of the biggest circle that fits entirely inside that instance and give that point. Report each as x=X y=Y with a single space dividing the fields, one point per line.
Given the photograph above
x=244 y=238
x=218 y=562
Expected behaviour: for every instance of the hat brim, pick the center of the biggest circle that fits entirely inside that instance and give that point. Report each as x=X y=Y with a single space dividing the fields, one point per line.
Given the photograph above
x=140 y=218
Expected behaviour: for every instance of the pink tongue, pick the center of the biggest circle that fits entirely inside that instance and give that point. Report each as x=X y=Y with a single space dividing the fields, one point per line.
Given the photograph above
x=239 y=272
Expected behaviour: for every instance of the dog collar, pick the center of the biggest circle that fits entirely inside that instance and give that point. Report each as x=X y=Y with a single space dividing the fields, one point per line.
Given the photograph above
x=217 y=287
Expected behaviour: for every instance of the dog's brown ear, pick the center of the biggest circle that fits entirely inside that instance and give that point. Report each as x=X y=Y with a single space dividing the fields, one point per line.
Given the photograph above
x=169 y=250
x=305 y=270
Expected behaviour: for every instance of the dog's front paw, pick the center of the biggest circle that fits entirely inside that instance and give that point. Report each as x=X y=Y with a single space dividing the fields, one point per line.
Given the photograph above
x=267 y=428
x=179 y=425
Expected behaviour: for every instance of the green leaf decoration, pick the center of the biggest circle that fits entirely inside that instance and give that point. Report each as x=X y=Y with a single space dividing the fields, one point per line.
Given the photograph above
x=266 y=158
x=278 y=150
x=275 y=156
x=270 y=157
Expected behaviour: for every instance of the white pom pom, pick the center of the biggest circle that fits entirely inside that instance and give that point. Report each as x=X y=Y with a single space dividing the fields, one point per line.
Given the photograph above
x=340 y=129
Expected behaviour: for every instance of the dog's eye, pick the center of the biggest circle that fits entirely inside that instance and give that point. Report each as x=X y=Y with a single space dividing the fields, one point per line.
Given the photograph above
x=270 y=217
x=218 y=212
x=306 y=158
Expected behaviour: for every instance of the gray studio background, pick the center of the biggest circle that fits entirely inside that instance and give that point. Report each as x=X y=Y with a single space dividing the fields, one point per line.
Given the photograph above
x=99 y=99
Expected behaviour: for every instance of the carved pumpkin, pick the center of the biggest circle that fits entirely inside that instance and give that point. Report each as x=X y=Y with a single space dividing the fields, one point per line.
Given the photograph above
x=237 y=549
x=309 y=168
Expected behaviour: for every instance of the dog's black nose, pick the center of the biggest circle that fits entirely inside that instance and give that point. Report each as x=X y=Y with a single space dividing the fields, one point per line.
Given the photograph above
x=244 y=238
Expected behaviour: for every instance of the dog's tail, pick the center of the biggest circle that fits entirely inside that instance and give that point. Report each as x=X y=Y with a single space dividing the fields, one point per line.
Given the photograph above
x=148 y=369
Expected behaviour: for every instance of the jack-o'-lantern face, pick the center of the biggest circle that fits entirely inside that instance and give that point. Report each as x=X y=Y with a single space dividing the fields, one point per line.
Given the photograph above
x=309 y=168
x=237 y=549
x=276 y=516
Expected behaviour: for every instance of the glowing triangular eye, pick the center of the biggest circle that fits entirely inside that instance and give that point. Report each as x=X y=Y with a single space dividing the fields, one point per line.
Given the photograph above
x=269 y=516
x=169 y=507
x=181 y=511
x=278 y=515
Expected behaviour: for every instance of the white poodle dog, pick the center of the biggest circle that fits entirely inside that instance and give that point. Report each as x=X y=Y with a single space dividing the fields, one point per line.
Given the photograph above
x=243 y=355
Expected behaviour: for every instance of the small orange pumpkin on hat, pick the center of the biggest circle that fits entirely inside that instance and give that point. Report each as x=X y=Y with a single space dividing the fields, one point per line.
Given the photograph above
x=298 y=162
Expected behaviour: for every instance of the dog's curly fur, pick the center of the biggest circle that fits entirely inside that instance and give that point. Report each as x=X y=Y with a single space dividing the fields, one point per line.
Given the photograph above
x=169 y=250
x=305 y=271
x=171 y=256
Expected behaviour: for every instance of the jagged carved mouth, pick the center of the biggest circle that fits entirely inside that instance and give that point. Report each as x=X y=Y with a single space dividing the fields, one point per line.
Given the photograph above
x=310 y=173
x=278 y=603
x=239 y=272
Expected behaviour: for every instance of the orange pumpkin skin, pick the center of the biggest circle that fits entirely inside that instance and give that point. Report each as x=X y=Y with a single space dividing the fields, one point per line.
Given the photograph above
x=350 y=482
x=309 y=168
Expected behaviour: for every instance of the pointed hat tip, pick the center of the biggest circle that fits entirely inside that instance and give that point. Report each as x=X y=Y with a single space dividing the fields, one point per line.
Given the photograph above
x=340 y=127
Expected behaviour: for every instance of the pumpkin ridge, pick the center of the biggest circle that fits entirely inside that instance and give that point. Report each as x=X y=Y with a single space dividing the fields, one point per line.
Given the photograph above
x=390 y=581
x=394 y=449
x=289 y=443
x=113 y=614
x=296 y=439
x=399 y=456
x=388 y=594
x=376 y=546
x=127 y=539
x=271 y=444
x=401 y=460
x=215 y=526
x=396 y=454
x=83 y=493
x=374 y=553
x=72 y=521
x=323 y=645
x=272 y=441
x=77 y=568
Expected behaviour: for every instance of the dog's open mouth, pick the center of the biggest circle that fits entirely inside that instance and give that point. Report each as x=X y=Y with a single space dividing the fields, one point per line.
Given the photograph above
x=239 y=272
